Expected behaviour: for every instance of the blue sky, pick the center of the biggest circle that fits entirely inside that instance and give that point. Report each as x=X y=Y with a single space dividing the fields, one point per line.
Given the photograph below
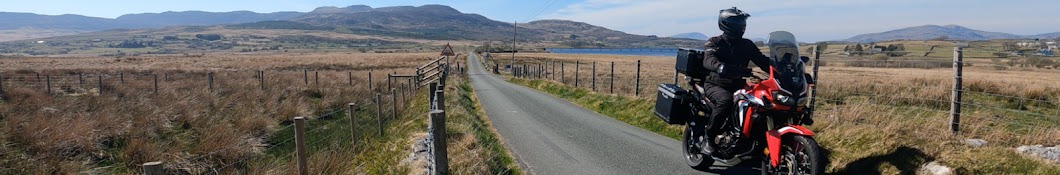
x=810 y=20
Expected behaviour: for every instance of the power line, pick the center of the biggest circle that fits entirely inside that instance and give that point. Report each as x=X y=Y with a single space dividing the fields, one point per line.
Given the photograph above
x=540 y=11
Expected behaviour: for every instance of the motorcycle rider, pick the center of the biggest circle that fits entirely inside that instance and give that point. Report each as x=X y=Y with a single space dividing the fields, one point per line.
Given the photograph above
x=726 y=57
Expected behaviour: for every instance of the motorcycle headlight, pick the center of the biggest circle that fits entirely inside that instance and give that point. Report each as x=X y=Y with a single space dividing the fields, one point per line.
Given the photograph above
x=784 y=99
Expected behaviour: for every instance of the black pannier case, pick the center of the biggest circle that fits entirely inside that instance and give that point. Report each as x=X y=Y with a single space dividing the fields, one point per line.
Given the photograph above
x=690 y=63
x=671 y=104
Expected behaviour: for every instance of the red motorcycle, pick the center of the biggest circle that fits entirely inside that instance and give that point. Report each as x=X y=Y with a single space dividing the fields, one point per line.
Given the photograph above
x=767 y=123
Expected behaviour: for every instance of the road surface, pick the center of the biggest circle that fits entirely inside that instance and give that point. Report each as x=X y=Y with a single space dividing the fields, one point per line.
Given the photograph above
x=549 y=135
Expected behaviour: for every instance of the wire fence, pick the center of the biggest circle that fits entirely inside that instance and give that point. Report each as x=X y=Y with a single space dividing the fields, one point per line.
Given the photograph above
x=1011 y=109
x=227 y=159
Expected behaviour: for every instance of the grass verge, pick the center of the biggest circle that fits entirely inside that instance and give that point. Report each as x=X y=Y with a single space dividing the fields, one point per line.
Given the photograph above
x=634 y=111
x=878 y=142
x=474 y=148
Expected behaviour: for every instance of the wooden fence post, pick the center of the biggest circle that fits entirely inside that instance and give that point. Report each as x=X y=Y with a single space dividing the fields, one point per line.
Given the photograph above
x=153 y=168
x=594 y=76
x=612 y=78
x=955 y=107
x=562 y=78
x=349 y=76
x=441 y=159
x=100 y=78
x=432 y=87
x=636 y=86
x=439 y=97
x=379 y=111
x=1 y=84
x=299 y=141
x=121 y=77
x=675 y=76
x=305 y=76
x=209 y=80
x=81 y=79
x=576 y=70
x=156 y=83
x=261 y=79
x=370 y=83
x=389 y=85
x=393 y=98
x=353 y=126
x=553 y=70
x=48 y=83
x=316 y=78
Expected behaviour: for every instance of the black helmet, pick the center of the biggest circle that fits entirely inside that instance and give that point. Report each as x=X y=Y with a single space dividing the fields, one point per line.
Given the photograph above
x=733 y=21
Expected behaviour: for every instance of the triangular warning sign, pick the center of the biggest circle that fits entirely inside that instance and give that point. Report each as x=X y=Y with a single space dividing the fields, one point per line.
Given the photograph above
x=448 y=50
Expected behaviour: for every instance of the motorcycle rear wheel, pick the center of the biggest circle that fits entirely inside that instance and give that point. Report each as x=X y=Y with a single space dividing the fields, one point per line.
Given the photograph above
x=692 y=152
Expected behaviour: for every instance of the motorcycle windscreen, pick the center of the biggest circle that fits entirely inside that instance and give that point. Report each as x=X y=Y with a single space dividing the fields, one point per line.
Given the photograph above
x=784 y=57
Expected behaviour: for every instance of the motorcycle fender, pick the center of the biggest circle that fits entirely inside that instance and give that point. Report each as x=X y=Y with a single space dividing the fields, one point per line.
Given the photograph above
x=773 y=140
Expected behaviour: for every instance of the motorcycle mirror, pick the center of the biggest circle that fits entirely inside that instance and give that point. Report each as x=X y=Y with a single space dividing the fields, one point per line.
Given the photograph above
x=805 y=59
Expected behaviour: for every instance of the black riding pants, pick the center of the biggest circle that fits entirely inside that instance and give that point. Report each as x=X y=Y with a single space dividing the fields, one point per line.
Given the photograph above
x=722 y=101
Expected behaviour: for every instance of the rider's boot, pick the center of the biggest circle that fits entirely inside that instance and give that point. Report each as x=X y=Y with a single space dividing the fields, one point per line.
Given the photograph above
x=706 y=145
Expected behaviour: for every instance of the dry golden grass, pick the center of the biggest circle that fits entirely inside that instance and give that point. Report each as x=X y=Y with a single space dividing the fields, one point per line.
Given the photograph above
x=892 y=120
x=193 y=130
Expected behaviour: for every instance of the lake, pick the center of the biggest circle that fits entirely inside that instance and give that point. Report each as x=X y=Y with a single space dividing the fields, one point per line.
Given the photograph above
x=668 y=52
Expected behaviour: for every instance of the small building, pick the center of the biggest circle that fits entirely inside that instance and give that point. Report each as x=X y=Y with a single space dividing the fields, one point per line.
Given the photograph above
x=1027 y=44
x=40 y=42
x=1044 y=52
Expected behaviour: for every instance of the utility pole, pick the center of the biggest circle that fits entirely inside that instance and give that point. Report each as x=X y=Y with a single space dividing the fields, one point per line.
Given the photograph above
x=515 y=32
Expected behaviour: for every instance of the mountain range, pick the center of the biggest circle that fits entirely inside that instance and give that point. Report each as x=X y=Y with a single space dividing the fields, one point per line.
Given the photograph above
x=691 y=35
x=135 y=21
x=949 y=32
x=431 y=22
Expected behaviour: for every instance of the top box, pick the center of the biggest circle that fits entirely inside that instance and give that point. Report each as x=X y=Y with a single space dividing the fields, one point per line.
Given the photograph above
x=690 y=63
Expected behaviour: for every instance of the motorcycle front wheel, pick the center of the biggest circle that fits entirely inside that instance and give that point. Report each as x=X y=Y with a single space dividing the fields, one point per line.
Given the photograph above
x=692 y=152
x=798 y=155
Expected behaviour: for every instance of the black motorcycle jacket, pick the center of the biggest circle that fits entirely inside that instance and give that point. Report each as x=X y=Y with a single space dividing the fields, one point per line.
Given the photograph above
x=727 y=57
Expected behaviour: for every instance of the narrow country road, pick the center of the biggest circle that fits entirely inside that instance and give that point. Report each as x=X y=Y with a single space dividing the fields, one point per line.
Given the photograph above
x=549 y=135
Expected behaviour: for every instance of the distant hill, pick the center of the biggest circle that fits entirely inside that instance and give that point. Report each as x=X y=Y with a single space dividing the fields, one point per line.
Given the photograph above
x=67 y=22
x=563 y=29
x=588 y=35
x=431 y=22
x=426 y=22
x=186 y=18
x=135 y=21
x=444 y=22
x=691 y=35
x=349 y=9
x=1047 y=35
x=951 y=32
